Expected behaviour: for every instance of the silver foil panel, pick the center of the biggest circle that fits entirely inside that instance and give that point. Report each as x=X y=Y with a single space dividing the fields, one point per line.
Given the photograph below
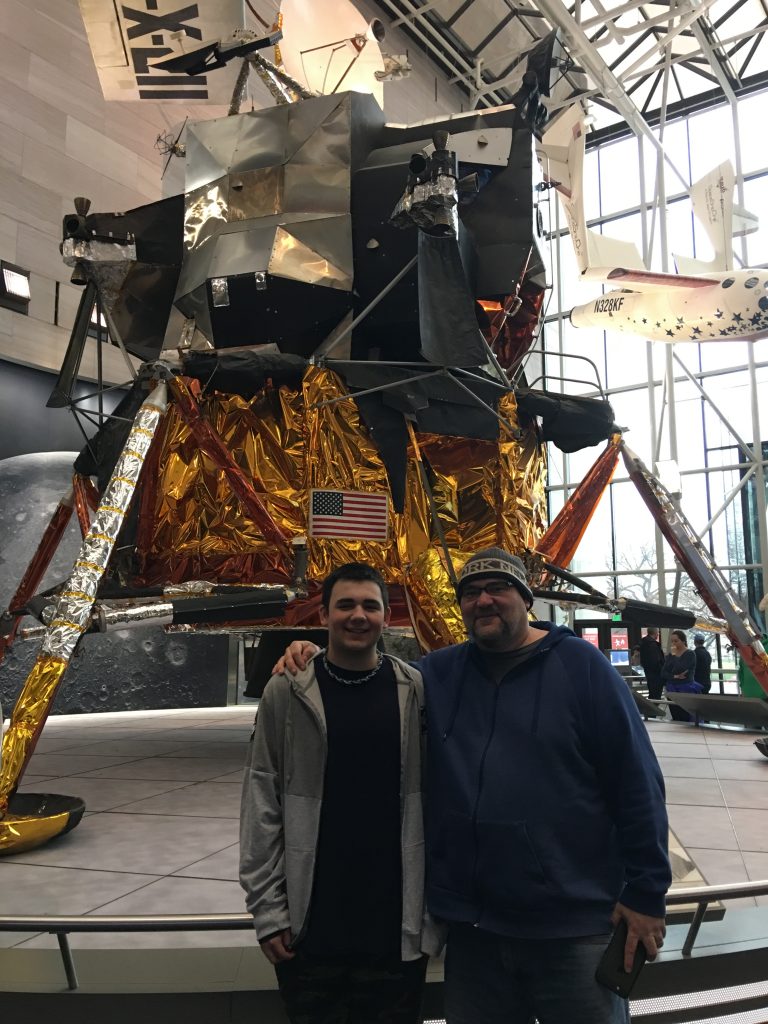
x=205 y=211
x=257 y=193
x=321 y=189
x=241 y=252
x=315 y=252
x=75 y=249
x=120 y=616
x=75 y=604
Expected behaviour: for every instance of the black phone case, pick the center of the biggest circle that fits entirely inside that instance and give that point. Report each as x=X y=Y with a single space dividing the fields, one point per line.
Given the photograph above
x=610 y=971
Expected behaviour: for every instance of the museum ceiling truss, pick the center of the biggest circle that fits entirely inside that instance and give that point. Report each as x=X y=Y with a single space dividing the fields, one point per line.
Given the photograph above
x=639 y=59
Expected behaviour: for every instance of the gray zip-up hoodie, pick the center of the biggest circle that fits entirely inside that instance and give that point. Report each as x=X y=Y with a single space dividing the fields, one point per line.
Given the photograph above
x=282 y=800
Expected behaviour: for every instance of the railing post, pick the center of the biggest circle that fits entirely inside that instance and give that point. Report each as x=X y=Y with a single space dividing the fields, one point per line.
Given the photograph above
x=693 y=931
x=68 y=961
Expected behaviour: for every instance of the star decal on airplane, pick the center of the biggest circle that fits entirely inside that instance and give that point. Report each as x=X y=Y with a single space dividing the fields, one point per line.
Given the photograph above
x=670 y=334
x=719 y=314
x=738 y=318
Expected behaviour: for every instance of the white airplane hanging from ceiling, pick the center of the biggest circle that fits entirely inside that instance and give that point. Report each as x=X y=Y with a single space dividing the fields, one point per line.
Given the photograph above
x=705 y=301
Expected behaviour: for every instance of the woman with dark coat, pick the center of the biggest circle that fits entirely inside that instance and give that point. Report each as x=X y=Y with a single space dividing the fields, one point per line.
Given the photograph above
x=678 y=672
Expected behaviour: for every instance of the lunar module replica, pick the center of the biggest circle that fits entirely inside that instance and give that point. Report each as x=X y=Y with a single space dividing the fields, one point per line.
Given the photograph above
x=332 y=321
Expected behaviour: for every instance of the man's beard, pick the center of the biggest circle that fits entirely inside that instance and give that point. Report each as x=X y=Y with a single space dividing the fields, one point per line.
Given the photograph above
x=500 y=640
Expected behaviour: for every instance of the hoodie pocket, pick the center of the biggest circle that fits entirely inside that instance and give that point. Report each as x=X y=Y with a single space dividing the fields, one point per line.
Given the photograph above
x=451 y=855
x=510 y=870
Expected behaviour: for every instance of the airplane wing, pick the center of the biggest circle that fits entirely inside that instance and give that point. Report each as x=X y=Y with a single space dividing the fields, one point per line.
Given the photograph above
x=647 y=279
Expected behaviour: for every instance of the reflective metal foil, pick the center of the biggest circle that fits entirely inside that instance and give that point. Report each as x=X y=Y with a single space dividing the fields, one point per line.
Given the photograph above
x=341 y=456
x=139 y=613
x=295 y=259
x=80 y=493
x=197 y=526
x=257 y=193
x=520 y=488
x=38 y=565
x=558 y=545
x=18 y=834
x=432 y=604
x=27 y=720
x=74 y=249
x=73 y=608
x=464 y=473
x=287 y=442
x=205 y=211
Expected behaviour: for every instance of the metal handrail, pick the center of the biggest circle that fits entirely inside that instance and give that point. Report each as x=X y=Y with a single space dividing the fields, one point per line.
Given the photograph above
x=702 y=896
x=61 y=926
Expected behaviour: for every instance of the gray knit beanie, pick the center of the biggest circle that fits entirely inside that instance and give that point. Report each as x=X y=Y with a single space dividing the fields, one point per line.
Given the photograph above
x=495 y=562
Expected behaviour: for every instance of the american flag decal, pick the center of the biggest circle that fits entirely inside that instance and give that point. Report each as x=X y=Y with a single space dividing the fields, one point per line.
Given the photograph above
x=352 y=515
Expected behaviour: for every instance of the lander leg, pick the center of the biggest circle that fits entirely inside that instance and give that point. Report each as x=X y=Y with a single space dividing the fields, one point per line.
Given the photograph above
x=22 y=827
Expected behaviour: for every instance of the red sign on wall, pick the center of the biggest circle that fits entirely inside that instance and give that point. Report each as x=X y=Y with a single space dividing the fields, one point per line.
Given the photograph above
x=619 y=640
x=591 y=635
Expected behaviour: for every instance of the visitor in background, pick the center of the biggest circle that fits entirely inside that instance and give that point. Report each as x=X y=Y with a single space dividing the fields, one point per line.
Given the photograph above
x=652 y=660
x=678 y=672
x=702 y=674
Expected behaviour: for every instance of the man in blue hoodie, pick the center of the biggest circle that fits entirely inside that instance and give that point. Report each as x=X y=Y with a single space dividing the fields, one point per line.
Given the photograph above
x=546 y=821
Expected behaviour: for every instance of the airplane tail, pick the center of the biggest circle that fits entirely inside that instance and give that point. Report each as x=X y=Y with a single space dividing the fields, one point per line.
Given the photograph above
x=713 y=206
x=561 y=151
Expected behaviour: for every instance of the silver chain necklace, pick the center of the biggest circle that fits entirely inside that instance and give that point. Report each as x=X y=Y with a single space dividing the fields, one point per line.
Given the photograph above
x=352 y=682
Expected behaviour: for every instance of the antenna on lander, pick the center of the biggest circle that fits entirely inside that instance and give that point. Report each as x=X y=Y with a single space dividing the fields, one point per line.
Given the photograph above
x=168 y=144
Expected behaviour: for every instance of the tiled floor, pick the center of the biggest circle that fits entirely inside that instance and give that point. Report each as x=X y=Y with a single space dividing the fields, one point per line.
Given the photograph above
x=717 y=798
x=162 y=794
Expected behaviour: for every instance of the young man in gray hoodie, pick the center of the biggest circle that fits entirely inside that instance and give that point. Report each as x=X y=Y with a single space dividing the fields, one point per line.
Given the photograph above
x=331 y=835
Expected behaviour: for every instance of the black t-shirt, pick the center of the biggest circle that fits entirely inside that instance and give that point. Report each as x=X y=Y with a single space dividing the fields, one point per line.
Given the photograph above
x=356 y=906
x=499 y=663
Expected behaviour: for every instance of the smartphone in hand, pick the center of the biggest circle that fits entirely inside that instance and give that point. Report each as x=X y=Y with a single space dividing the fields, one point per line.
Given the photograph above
x=610 y=971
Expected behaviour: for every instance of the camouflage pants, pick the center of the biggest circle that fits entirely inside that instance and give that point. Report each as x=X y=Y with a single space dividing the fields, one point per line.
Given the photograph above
x=379 y=992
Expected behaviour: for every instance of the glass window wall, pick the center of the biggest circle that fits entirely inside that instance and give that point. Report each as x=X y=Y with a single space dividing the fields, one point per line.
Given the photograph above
x=620 y=548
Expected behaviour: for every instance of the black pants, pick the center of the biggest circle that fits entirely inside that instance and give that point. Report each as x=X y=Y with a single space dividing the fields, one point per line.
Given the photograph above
x=380 y=991
x=655 y=686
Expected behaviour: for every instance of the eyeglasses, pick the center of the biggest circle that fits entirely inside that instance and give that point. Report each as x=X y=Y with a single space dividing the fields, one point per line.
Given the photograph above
x=493 y=589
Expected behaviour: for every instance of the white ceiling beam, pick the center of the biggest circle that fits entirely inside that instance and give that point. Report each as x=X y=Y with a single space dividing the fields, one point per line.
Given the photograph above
x=586 y=54
x=698 y=53
x=709 y=52
x=405 y=18
x=660 y=19
x=616 y=12
x=462 y=64
x=684 y=23
x=606 y=19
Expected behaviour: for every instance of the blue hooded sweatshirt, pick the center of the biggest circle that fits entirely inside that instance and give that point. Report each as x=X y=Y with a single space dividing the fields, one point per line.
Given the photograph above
x=546 y=802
